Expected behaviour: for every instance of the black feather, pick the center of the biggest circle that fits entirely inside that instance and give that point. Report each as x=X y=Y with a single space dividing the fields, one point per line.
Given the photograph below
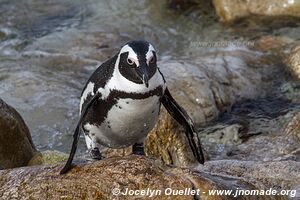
x=181 y=116
x=76 y=135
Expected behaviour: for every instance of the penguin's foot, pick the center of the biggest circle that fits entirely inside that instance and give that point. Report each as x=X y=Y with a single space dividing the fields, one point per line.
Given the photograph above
x=138 y=149
x=95 y=153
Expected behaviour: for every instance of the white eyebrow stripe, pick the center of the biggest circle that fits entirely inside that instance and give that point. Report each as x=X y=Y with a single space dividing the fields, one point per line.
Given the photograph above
x=149 y=54
x=131 y=54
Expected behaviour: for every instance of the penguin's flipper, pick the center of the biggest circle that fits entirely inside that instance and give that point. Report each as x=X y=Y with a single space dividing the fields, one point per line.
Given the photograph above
x=76 y=135
x=181 y=116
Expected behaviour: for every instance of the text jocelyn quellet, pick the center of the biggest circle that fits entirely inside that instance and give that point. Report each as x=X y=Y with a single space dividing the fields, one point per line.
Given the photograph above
x=168 y=191
x=196 y=192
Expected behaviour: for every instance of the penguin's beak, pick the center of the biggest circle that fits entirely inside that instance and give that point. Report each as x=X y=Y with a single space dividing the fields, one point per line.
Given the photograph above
x=143 y=74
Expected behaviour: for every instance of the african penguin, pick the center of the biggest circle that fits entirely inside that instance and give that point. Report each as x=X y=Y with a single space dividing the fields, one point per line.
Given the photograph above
x=120 y=103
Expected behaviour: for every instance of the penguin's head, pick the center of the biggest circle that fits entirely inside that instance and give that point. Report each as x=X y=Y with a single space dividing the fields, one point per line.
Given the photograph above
x=137 y=62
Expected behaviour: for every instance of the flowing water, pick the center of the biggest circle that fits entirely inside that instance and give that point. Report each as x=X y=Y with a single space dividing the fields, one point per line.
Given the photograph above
x=48 y=49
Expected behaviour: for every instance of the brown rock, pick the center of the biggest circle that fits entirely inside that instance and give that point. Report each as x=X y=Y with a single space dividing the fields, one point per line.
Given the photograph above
x=293 y=61
x=232 y=10
x=16 y=146
x=92 y=181
x=293 y=127
x=108 y=152
x=277 y=175
x=47 y=158
x=98 y=180
x=167 y=142
x=271 y=43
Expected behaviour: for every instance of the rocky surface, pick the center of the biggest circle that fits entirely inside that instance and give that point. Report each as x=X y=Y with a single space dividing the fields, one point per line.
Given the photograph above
x=100 y=179
x=272 y=44
x=293 y=60
x=167 y=142
x=280 y=175
x=207 y=87
x=16 y=146
x=293 y=127
x=47 y=158
x=255 y=130
x=233 y=10
x=291 y=90
x=211 y=83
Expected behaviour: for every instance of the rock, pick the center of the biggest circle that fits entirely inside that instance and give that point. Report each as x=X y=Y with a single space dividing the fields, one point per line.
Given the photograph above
x=108 y=152
x=180 y=4
x=225 y=134
x=255 y=130
x=260 y=130
x=291 y=90
x=280 y=175
x=16 y=146
x=273 y=44
x=293 y=127
x=82 y=49
x=99 y=180
x=47 y=158
x=293 y=60
x=206 y=88
x=210 y=84
x=233 y=10
x=167 y=142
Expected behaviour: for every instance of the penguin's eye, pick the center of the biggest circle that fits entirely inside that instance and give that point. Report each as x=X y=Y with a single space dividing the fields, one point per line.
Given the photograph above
x=130 y=61
x=152 y=59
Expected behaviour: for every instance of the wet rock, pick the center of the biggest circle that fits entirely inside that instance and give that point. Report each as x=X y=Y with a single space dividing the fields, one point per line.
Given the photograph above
x=273 y=44
x=233 y=10
x=98 y=180
x=205 y=181
x=16 y=147
x=47 y=158
x=259 y=130
x=293 y=60
x=180 y=4
x=108 y=152
x=291 y=90
x=225 y=134
x=293 y=127
x=167 y=142
x=207 y=87
x=80 y=49
x=210 y=84
x=279 y=175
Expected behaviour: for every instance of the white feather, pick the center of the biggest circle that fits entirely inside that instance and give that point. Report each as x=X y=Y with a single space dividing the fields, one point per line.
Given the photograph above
x=149 y=54
x=131 y=54
x=88 y=90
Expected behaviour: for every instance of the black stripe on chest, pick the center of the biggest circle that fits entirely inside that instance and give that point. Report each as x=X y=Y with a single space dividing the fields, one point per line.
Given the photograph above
x=97 y=113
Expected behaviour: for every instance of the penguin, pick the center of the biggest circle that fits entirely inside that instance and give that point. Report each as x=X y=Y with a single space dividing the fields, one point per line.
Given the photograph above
x=121 y=101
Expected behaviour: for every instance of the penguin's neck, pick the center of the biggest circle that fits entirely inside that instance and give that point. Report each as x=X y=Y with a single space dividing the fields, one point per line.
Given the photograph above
x=119 y=83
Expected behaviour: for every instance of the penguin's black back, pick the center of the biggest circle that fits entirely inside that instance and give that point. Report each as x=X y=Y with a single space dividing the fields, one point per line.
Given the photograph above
x=100 y=77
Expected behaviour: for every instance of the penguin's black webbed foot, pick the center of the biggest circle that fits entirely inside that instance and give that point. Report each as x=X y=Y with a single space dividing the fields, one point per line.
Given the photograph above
x=138 y=149
x=95 y=154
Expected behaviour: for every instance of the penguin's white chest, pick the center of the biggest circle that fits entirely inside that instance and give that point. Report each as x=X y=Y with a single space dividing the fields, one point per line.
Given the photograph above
x=129 y=116
x=128 y=121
